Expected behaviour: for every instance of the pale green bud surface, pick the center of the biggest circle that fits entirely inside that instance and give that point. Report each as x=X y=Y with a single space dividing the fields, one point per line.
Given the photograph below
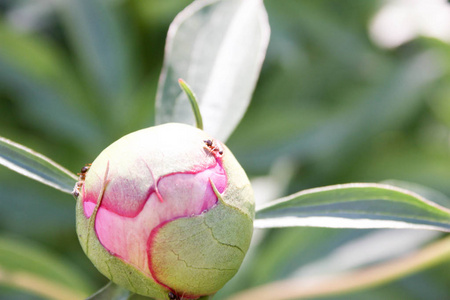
x=166 y=209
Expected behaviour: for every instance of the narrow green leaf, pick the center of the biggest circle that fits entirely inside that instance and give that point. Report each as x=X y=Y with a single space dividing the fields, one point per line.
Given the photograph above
x=194 y=104
x=102 y=48
x=40 y=80
x=425 y=191
x=25 y=266
x=355 y=205
x=35 y=166
x=351 y=281
x=387 y=103
x=218 y=47
x=95 y=32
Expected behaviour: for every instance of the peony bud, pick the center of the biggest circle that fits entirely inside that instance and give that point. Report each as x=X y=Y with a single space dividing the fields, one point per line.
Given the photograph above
x=166 y=212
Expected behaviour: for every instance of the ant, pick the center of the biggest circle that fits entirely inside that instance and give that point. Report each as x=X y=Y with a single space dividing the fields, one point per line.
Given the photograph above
x=83 y=171
x=172 y=296
x=213 y=147
x=81 y=178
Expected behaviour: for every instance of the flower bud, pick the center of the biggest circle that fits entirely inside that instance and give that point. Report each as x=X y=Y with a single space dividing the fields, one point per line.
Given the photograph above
x=166 y=212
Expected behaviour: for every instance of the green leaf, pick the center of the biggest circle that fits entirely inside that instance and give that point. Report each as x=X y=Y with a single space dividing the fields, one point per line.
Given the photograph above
x=218 y=47
x=319 y=286
x=425 y=191
x=25 y=266
x=389 y=103
x=355 y=205
x=40 y=79
x=35 y=166
x=97 y=35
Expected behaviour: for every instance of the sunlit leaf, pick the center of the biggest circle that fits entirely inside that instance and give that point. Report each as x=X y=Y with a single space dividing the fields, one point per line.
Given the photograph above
x=218 y=47
x=427 y=192
x=356 y=205
x=27 y=267
x=36 y=166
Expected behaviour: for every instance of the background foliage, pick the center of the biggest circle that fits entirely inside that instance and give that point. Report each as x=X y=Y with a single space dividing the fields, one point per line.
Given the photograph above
x=330 y=107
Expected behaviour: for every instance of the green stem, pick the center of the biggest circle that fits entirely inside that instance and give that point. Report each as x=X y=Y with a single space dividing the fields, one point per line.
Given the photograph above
x=351 y=281
x=193 y=100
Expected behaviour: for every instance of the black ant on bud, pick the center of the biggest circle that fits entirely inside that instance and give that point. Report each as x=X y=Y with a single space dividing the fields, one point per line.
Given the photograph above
x=81 y=178
x=213 y=147
x=172 y=296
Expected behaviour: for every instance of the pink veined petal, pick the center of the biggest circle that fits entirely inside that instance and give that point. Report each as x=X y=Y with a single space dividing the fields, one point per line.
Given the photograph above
x=182 y=195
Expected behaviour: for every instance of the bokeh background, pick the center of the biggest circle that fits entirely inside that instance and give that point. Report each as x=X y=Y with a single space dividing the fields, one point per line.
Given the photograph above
x=350 y=91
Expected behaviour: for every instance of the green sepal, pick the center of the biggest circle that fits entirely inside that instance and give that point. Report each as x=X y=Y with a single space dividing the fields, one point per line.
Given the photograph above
x=198 y=255
x=111 y=266
x=194 y=103
x=238 y=193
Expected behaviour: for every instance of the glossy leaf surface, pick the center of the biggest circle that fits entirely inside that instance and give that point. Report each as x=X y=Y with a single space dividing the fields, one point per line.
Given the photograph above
x=218 y=47
x=35 y=166
x=355 y=205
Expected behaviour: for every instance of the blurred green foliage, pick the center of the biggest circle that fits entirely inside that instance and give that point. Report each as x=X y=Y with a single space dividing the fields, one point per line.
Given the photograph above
x=77 y=75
